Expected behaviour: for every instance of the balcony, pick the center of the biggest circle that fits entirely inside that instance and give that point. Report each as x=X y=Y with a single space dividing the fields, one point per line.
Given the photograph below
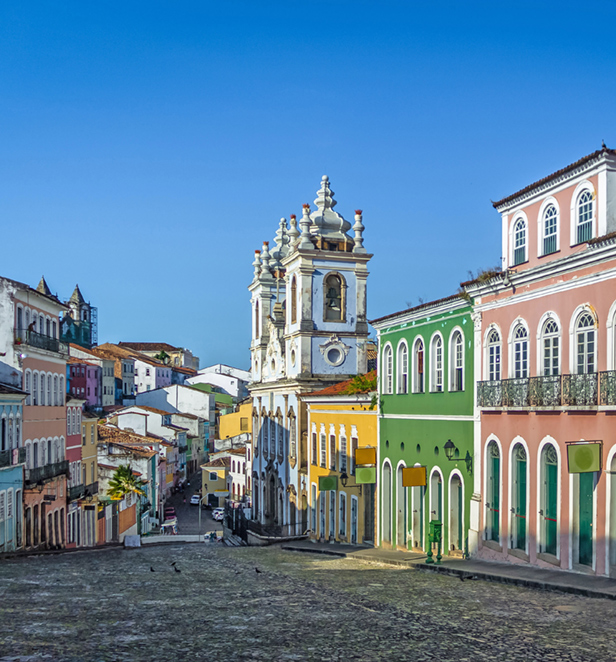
x=91 y=489
x=38 y=340
x=47 y=472
x=76 y=492
x=12 y=457
x=182 y=449
x=589 y=390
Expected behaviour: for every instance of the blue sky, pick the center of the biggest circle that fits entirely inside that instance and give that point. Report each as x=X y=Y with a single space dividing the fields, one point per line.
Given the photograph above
x=149 y=148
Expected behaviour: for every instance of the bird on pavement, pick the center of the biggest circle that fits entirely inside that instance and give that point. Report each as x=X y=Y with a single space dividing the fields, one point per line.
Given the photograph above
x=176 y=569
x=152 y=569
x=258 y=571
x=174 y=562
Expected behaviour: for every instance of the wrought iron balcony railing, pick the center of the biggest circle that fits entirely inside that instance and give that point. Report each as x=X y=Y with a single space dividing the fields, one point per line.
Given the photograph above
x=46 y=472
x=587 y=390
x=40 y=341
x=76 y=492
x=12 y=457
x=91 y=489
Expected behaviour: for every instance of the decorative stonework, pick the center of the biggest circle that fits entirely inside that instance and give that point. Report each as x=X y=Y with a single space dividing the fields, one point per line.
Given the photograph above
x=334 y=351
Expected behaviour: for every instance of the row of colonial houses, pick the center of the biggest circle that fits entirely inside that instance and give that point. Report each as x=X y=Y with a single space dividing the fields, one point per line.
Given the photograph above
x=493 y=409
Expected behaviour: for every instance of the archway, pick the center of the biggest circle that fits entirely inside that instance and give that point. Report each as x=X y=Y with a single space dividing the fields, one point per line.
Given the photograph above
x=456 y=514
x=401 y=510
x=386 y=503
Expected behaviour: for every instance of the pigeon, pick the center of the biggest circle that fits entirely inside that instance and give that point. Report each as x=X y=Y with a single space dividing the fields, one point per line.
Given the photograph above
x=174 y=562
x=258 y=571
x=152 y=569
x=176 y=569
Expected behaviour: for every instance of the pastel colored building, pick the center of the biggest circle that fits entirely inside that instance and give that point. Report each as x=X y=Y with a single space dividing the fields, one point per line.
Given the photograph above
x=85 y=381
x=214 y=481
x=426 y=396
x=340 y=423
x=545 y=359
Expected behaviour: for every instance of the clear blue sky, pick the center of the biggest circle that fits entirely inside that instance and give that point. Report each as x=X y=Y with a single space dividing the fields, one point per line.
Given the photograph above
x=148 y=148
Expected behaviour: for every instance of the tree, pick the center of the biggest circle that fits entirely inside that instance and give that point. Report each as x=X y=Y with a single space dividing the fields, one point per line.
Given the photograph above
x=123 y=482
x=162 y=356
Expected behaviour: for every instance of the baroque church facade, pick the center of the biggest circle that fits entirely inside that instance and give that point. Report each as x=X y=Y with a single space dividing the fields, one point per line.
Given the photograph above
x=309 y=331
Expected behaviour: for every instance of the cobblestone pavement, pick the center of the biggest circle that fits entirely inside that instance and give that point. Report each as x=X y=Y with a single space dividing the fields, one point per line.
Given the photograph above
x=110 y=606
x=188 y=516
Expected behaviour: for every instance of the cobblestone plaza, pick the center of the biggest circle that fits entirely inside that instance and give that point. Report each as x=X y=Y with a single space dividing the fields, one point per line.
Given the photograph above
x=133 y=605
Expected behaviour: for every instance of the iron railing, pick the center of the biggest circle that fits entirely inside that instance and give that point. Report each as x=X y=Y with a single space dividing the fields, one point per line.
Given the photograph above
x=92 y=489
x=12 y=457
x=76 y=492
x=46 y=472
x=587 y=390
x=40 y=341
x=182 y=449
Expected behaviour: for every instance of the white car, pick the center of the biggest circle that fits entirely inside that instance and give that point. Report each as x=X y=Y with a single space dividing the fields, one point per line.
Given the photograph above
x=195 y=499
x=218 y=514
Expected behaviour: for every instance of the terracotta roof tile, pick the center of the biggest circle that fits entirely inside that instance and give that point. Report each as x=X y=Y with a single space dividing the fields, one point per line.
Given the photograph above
x=339 y=388
x=219 y=462
x=148 y=346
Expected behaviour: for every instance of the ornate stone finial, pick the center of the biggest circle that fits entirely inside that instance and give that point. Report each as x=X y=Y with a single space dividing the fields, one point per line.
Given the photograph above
x=293 y=233
x=325 y=221
x=265 y=260
x=358 y=228
x=281 y=240
x=325 y=196
x=304 y=226
x=257 y=264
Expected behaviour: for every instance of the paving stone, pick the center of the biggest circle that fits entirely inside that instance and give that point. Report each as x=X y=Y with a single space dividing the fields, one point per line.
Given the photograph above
x=108 y=606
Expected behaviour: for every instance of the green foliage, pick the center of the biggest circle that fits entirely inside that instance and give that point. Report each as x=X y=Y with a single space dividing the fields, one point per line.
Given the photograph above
x=123 y=482
x=361 y=384
x=162 y=356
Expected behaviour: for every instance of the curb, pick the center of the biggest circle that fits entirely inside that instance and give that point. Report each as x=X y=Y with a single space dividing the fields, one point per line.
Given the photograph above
x=518 y=581
x=359 y=556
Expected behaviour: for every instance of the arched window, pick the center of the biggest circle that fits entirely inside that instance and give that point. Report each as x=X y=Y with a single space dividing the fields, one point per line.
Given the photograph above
x=49 y=400
x=48 y=327
x=493 y=493
x=418 y=366
x=403 y=368
x=519 y=242
x=456 y=362
x=585 y=342
x=293 y=300
x=520 y=352
x=494 y=356
x=54 y=329
x=35 y=391
x=333 y=303
x=548 y=499
x=265 y=435
x=61 y=394
x=550 y=230
x=551 y=348
x=386 y=503
x=55 y=390
x=35 y=455
x=28 y=386
x=436 y=364
x=42 y=388
x=388 y=370
x=584 y=217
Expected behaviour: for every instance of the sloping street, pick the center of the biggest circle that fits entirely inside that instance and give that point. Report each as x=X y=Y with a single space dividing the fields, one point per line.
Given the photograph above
x=133 y=605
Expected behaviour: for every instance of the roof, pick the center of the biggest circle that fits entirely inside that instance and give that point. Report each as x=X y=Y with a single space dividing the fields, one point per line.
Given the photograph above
x=175 y=427
x=73 y=359
x=5 y=389
x=148 y=346
x=186 y=371
x=162 y=412
x=340 y=387
x=224 y=462
x=24 y=286
x=558 y=173
x=236 y=451
x=130 y=440
x=429 y=304
x=100 y=465
x=43 y=288
x=76 y=296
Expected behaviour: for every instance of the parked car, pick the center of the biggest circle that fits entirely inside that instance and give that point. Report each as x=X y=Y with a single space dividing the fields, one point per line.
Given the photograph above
x=218 y=514
x=194 y=500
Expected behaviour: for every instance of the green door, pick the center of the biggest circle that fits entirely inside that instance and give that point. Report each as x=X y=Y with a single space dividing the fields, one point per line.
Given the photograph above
x=520 y=510
x=551 y=517
x=494 y=506
x=460 y=540
x=586 y=516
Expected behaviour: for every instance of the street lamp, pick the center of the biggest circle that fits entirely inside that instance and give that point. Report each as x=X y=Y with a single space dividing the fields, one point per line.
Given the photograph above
x=344 y=479
x=450 y=453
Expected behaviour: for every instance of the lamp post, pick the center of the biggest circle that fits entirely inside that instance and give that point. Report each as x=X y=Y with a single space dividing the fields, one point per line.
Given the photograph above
x=344 y=479
x=450 y=452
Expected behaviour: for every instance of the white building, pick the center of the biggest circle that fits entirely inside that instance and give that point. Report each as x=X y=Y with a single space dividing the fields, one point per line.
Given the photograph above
x=309 y=330
x=232 y=381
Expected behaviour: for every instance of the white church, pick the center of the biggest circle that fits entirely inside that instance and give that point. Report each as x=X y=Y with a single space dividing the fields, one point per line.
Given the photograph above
x=309 y=331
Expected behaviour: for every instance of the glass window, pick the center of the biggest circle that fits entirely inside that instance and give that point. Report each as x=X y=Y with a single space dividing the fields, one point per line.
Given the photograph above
x=323 y=450
x=457 y=362
x=550 y=228
x=437 y=363
x=342 y=516
x=551 y=347
x=343 y=454
x=494 y=356
x=519 y=242
x=585 y=344
x=520 y=352
x=388 y=363
x=584 y=217
x=332 y=451
x=314 y=448
x=403 y=368
x=418 y=366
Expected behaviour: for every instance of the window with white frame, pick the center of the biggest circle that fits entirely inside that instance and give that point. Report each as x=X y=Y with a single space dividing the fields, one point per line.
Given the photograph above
x=520 y=352
x=550 y=230
x=342 y=515
x=519 y=242
x=323 y=444
x=436 y=362
x=354 y=445
x=265 y=435
x=550 y=336
x=343 y=453
x=55 y=390
x=494 y=356
x=456 y=361
x=332 y=450
x=28 y=386
x=585 y=343
x=584 y=217
x=61 y=387
x=403 y=368
x=418 y=366
x=35 y=388
x=388 y=370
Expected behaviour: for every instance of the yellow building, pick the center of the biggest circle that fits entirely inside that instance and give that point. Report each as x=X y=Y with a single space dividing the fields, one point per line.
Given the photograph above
x=214 y=481
x=236 y=423
x=89 y=468
x=342 y=492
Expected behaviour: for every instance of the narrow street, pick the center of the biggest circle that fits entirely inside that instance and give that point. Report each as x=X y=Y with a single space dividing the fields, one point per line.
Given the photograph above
x=119 y=605
x=188 y=515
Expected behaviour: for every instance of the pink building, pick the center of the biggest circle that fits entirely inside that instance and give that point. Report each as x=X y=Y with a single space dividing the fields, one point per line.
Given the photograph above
x=545 y=355
x=85 y=381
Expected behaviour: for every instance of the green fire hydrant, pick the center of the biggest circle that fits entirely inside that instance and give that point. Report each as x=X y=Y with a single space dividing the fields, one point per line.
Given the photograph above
x=435 y=536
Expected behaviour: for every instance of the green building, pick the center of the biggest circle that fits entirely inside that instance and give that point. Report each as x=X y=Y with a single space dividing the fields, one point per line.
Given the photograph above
x=426 y=399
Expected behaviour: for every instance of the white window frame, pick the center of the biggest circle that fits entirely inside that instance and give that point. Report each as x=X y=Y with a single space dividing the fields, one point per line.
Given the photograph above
x=497 y=345
x=520 y=217
x=519 y=322
x=415 y=363
x=456 y=362
x=402 y=370
x=437 y=374
x=542 y=336
x=388 y=370
x=546 y=205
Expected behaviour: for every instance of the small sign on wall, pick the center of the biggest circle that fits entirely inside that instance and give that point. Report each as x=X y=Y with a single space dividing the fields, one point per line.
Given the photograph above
x=414 y=477
x=365 y=456
x=584 y=456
